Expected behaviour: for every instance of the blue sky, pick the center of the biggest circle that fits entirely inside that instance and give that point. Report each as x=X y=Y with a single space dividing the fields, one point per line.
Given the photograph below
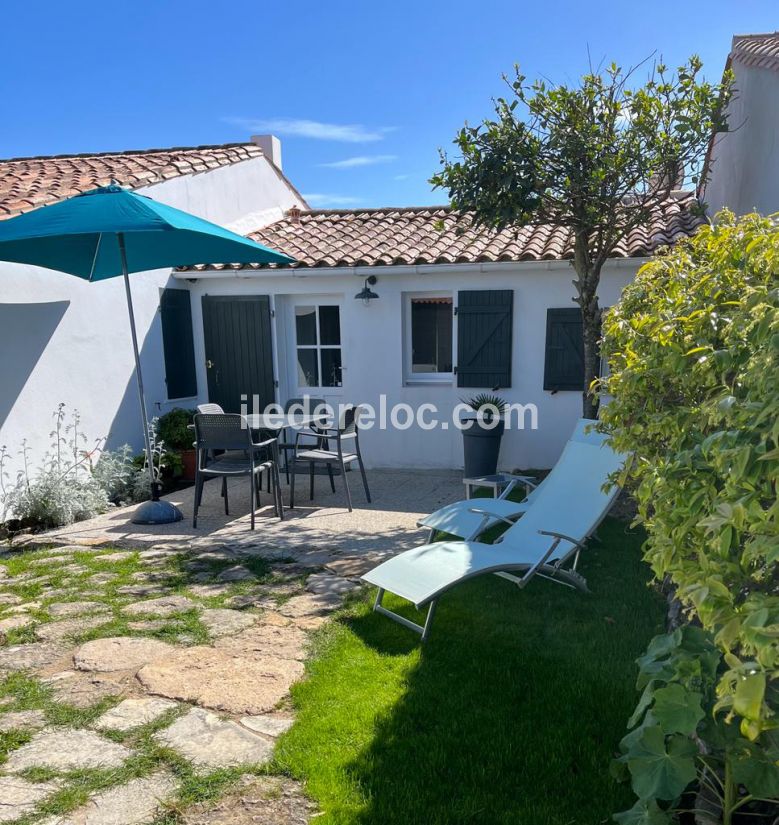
x=361 y=94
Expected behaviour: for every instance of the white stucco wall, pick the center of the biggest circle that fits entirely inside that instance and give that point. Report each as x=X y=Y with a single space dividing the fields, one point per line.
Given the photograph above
x=65 y=340
x=373 y=346
x=745 y=161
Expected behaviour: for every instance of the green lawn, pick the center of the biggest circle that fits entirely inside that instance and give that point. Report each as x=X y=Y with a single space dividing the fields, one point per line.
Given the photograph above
x=509 y=713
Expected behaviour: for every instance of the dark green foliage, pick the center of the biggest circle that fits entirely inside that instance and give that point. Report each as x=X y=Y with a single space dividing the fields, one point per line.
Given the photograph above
x=173 y=429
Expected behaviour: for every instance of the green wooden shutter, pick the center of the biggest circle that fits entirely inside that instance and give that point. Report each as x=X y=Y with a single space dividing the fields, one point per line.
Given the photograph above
x=564 y=358
x=178 y=343
x=484 y=323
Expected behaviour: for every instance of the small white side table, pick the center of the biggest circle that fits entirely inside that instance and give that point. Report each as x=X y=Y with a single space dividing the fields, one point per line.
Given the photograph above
x=497 y=482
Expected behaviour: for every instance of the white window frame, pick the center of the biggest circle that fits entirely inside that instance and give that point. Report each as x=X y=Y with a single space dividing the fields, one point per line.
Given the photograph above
x=409 y=376
x=316 y=303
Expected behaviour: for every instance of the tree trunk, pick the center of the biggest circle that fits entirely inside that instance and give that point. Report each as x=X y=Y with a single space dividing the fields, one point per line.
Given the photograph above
x=586 y=283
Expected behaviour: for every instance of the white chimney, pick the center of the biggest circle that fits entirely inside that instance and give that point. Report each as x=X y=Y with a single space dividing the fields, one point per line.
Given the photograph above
x=271 y=147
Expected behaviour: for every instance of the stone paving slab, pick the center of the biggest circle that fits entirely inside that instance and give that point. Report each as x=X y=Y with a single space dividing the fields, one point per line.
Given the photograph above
x=221 y=680
x=132 y=713
x=60 y=631
x=22 y=720
x=119 y=653
x=29 y=656
x=352 y=567
x=210 y=742
x=270 y=725
x=18 y=797
x=236 y=573
x=310 y=604
x=136 y=803
x=280 y=639
x=163 y=606
x=121 y=555
x=66 y=749
x=63 y=610
x=329 y=584
x=207 y=591
x=224 y=622
x=82 y=689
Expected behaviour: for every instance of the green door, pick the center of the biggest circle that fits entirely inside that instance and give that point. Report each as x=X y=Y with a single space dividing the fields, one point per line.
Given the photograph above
x=239 y=350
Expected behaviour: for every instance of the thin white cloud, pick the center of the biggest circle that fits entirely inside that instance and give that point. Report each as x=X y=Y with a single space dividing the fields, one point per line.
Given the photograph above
x=359 y=160
x=401 y=177
x=295 y=127
x=321 y=199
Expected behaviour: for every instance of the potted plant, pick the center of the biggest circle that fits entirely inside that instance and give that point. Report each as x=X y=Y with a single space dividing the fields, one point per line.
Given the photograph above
x=482 y=431
x=177 y=437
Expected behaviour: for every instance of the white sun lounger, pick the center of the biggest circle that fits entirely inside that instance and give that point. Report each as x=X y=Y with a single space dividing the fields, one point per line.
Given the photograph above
x=459 y=518
x=562 y=515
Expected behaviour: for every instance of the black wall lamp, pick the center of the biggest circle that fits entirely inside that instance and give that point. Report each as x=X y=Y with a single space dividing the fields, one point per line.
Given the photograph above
x=366 y=294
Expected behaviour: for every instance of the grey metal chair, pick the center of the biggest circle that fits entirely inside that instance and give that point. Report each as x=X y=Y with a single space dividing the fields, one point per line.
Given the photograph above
x=242 y=457
x=346 y=431
x=310 y=406
x=210 y=409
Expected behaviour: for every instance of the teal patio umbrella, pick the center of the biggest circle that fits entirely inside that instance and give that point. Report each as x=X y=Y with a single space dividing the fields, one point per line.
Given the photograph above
x=111 y=231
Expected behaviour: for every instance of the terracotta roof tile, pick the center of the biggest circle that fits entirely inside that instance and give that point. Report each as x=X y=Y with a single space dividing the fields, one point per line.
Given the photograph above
x=759 y=50
x=26 y=183
x=436 y=235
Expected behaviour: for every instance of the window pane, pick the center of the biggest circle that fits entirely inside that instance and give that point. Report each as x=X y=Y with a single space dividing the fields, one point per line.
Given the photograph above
x=308 y=370
x=305 y=325
x=331 y=367
x=329 y=326
x=431 y=335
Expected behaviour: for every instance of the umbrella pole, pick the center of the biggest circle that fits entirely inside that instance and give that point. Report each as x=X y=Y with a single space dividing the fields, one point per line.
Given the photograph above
x=155 y=511
x=138 y=375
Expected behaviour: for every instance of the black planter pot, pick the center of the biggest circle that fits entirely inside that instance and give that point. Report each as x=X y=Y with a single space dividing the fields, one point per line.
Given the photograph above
x=481 y=447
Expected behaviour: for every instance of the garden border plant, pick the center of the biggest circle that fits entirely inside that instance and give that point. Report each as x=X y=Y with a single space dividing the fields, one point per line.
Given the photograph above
x=693 y=350
x=74 y=481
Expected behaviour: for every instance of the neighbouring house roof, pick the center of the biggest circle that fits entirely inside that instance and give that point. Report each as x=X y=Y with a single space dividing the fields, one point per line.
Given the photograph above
x=759 y=50
x=437 y=235
x=27 y=183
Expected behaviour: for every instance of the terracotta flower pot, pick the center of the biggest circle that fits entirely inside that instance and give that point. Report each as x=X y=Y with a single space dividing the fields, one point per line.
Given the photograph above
x=189 y=460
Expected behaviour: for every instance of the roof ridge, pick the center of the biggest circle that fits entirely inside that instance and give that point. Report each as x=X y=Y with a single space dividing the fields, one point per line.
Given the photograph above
x=674 y=195
x=123 y=152
x=754 y=36
x=760 y=50
x=376 y=209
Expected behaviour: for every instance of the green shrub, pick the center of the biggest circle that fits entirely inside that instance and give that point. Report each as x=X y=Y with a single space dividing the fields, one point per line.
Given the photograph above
x=693 y=350
x=173 y=429
x=61 y=489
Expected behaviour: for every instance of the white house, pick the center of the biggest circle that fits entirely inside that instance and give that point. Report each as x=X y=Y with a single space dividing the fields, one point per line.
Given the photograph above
x=459 y=310
x=65 y=340
x=744 y=162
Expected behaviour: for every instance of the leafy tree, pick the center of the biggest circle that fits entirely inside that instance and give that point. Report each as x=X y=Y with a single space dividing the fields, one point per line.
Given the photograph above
x=597 y=158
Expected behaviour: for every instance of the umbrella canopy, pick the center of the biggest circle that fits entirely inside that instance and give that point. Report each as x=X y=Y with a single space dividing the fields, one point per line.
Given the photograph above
x=80 y=236
x=111 y=231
